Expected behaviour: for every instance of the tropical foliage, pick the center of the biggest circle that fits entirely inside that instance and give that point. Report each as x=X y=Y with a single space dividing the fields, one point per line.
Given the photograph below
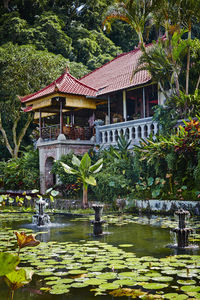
x=20 y=173
x=84 y=171
x=169 y=167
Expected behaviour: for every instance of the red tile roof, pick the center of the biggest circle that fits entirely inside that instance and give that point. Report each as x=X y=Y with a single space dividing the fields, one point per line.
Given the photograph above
x=116 y=74
x=66 y=84
x=113 y=76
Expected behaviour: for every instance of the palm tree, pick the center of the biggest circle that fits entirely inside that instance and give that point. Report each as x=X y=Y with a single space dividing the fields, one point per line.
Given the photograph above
x=174 y=15
x=137 y=13
x=189 y=12
x=164 y=65
x=84 y=171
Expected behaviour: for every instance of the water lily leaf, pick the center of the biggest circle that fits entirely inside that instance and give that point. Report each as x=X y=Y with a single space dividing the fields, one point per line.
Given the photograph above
x=76 y=272
x=154 y=286
x=141 y=278
x=8 y=262
x=108 y=275
x=95 y=281
x=162 y=278
x=175 y=296
x=190 y=288
x=127 y=274
x=186 y=282
x=59 y=291
x=109 y=286
x=125 y=282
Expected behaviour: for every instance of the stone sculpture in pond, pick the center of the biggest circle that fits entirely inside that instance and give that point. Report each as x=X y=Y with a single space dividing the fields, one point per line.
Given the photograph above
x=40 y=218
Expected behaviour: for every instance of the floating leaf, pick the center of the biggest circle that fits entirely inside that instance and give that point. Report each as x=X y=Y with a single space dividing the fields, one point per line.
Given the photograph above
x=154 y=286
x=175 y=296
x=190 y=288
x=186 y=282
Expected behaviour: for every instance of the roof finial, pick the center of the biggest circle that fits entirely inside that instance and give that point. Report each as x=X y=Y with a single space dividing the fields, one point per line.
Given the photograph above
x=67 y=69
x=56 y=88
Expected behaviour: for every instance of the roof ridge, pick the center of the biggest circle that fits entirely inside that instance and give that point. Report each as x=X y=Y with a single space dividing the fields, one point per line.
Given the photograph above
x=81 y=83
x=35 y=93
x=120 y=55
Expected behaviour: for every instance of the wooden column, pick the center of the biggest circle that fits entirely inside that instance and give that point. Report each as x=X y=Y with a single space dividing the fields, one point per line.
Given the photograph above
x=143 y=102
x=61 y=118
x=124 y=106
x=147 y=104
x=109 y=119
x=40 y=123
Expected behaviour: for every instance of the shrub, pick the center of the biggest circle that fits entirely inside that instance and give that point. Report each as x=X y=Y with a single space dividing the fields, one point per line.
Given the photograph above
x=109 y=186
x=21 y=173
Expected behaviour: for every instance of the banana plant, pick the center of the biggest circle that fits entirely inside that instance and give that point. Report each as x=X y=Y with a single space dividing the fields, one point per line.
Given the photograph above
x=84 y=171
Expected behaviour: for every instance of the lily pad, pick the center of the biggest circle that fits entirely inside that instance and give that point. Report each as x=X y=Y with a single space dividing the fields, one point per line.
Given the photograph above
x=109 y=286
x=175 y=296
x=190 y=288
x=154 y=286
x=186 y=282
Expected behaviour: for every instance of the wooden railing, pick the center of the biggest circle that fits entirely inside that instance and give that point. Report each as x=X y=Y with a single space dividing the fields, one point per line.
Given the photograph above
x=50 y=132
x=133 y=130
x=70 y=132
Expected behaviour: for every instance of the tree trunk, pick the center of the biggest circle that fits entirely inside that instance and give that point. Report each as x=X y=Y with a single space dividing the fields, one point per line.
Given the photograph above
x=188 y=63
x=85 y=197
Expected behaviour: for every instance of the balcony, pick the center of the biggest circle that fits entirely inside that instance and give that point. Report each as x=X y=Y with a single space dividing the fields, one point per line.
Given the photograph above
x=50 y=133
x=134 y=130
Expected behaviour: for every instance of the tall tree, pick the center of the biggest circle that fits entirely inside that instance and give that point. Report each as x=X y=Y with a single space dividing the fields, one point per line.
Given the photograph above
x=137 y=13
x=189 y=13
x=24 y=70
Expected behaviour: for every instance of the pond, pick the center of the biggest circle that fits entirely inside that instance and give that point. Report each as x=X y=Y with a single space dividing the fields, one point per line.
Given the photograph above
x=131 y=258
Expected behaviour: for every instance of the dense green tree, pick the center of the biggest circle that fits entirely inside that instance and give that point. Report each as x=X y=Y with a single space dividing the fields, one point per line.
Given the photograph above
x=26 y=70
x=46 y=33
x=123 y=35
x=92 y=47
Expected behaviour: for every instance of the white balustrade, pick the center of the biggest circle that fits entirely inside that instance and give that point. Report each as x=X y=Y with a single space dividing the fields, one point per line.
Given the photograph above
x=134 y=130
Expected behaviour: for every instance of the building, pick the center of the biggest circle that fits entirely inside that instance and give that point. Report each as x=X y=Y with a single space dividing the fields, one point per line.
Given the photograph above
x=75 y=114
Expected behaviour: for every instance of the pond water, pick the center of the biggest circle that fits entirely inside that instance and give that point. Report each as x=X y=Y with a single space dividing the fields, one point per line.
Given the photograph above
x=136 y=248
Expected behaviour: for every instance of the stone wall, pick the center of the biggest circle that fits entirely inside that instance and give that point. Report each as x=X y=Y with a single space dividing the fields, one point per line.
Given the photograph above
x=53 y=150
x=168 y=206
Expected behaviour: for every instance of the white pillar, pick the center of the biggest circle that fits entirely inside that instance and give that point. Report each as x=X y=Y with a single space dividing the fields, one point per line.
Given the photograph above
x=124 y=106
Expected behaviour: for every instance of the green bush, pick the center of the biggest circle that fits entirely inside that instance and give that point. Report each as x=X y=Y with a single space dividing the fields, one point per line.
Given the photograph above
x=169 y=167
x=21 y=173
x=109 y=186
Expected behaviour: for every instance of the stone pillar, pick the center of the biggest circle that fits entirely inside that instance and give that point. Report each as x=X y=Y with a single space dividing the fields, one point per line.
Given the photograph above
x=124 y=106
